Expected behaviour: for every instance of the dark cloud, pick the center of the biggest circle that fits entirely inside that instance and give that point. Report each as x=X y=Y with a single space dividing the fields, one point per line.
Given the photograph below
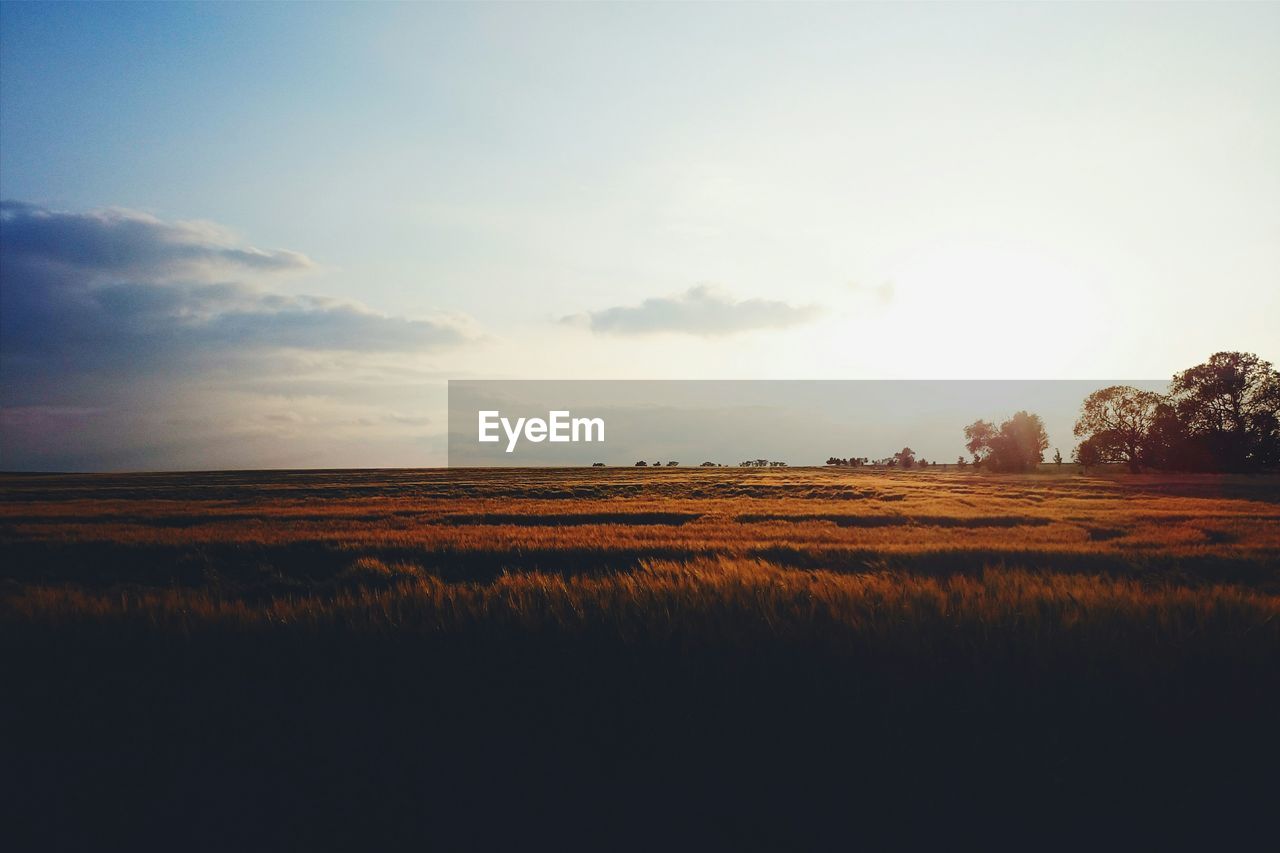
x=701 y=310
x=113 y=287
x=129 y=342
x=132 y=245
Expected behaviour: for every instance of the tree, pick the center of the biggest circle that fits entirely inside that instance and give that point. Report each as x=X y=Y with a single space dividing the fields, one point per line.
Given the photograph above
x=1167 y=445
x=672 y=464
x=1230 y=407
x=1018 y=445
x=906 y=457
x=977 y=438
x=642 y=464
x=1087 y=454
x=1117 y=419
x=961 y=462
x=1057 y=457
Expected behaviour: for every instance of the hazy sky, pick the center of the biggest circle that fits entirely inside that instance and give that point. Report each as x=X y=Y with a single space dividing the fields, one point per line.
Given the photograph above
x=264 y=235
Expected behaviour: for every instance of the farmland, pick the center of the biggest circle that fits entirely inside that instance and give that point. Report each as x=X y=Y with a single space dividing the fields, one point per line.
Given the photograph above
x=779 y=656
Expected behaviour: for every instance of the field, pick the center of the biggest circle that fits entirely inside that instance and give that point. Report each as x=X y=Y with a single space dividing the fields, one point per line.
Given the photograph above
x=775 y=658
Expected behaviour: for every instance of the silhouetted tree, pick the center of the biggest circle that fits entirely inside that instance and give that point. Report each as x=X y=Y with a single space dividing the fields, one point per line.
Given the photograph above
x=1167 y=445
x=1018 y=445
x=642 y=464
x=906 y=457
x=1086 y=454
x=1057 y=457
x=961 y=462
x=672 y=464
x=1230 y=409
x=1116 y=419
x=597 y=464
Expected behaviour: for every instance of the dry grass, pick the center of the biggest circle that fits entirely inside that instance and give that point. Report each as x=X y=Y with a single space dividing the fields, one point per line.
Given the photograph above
x=417 y=651
x=467 y=525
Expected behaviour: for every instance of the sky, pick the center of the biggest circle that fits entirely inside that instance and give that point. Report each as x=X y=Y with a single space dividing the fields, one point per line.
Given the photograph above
x=260 y=235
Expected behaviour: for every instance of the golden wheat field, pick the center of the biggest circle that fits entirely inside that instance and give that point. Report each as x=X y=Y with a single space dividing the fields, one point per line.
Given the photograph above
x=546 y=542
x=353 y=657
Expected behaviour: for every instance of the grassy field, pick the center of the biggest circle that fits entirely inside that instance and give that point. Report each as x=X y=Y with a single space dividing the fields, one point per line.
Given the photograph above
x=728 y=657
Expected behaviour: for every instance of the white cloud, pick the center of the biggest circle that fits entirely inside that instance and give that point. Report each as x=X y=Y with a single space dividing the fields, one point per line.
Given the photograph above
x=701 y=310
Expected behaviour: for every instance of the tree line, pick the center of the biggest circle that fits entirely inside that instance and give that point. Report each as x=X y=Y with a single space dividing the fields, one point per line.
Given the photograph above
x=1223 y=415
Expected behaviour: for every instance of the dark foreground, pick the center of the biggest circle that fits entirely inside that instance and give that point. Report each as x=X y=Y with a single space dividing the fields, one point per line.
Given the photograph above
x=451 y=660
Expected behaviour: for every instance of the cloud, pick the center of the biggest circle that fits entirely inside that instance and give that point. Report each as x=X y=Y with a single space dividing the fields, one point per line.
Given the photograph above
x=133 y=245
x=701 y=310
x=111 y=287
x=131 y=342
x=882 y=294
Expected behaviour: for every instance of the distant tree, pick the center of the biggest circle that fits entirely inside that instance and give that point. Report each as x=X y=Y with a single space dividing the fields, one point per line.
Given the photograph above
x=906 y=457
x=707 y=465
x=978 y=437
x=1018 y=445
x=642 y=464
x=672 y=464
x=1086 y=453
x=1117 y=419
x=1057 y=457
x=961 y=462
x=597 y=464
x=922 y=464
x=1230 y=408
